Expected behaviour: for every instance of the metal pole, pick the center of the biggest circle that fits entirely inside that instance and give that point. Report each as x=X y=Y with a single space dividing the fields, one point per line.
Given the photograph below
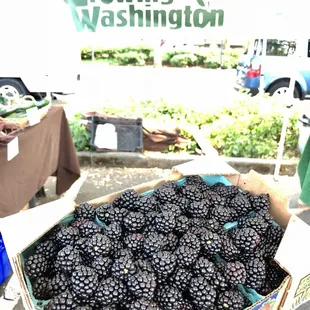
x=221 y=54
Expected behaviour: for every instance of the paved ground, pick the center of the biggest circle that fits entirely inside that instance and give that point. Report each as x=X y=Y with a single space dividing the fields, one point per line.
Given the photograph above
x=102 y=181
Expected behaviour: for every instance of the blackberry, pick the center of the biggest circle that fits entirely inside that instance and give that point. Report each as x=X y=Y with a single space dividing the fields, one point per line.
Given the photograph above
x=211 y=243
x=225 y=191
x=142 y=304
x=85 y=211
x=202 y=293
x=62 y=301
x=194 y=180
x=40 y=289
x=204 y=268
x=123 y=267
x=244 y=257
x=183 y=203
x=171 y=242
x=113 y=231
x=142 y=285
x=110 y=291
x=176 y=210
x=171 y=184
x=260 y=202
x=51 y=235
x=134 y=242
x=81 y=245
x=84 y=281
x=198 y=209
x=235 y=273
x=232 y=299
x=134 y=221
x=180 y=279
x=190 y=240
x=58 y=284
x=47 y=249
x=76 y=223
x=191 y=192
x=229 y=251
x=221 y=265
x=153 y=243
x=266 y=216
x=147 y=204
x=98 y=245
x=214 y=198
x=274 y=275
x=181 y=225
x=219 y=282
x=123 y=253
x=214 y=226
x=256 y=273
x=117 y=215
x=67 y=236
x=274 y=234
x=103 y=212
x=257 y=223
x=169 y=298
x=150 y=218
x=246 y=239
x=165 y=194
x=186 y=256
x=128 y=199
x=36 y=266
x=270 y=250
x=144 y=266
x=165 y=222
x=89 y=229
x=197 y=222
x=197 y=231
x=222 y=214
x=241 y=205
x=102 y=266
x=68 y=258
x=164 y=263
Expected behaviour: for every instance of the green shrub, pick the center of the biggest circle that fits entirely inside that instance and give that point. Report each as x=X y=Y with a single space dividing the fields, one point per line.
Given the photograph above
x=80 y=135
x=131 y=58
x=183 y=60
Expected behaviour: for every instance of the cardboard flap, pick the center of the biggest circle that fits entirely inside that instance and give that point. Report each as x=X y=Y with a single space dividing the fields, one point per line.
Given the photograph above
x=21 y=229
x=206 y=165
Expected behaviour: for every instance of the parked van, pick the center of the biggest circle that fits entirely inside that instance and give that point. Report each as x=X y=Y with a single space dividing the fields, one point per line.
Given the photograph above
x=277 y=60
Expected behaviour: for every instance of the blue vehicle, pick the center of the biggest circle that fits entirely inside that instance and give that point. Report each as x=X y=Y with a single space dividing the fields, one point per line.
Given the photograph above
x=276 y=60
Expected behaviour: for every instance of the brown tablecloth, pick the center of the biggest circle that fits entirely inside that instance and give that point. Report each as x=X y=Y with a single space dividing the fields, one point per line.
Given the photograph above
x=45 y=149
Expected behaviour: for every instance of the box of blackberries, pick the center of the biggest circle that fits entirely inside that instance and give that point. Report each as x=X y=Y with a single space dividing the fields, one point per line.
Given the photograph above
x=187 y=242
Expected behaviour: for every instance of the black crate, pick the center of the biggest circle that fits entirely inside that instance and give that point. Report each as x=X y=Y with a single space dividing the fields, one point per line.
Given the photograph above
x=129 y=133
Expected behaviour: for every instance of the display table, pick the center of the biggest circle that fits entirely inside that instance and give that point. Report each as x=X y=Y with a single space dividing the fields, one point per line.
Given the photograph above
x=45 y=149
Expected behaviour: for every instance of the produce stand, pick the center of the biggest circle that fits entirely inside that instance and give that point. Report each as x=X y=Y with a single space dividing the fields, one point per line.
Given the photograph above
x=45 y=149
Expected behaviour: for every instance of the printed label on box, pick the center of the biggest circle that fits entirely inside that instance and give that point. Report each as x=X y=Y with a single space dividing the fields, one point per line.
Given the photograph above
x=302 y=294
x=12 y=149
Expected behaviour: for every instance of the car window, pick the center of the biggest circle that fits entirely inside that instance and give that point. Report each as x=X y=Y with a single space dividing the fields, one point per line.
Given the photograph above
x=254 y=48
x=280 y=47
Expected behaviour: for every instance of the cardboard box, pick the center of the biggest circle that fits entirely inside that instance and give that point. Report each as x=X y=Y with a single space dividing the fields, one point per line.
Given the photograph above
x=36 y=222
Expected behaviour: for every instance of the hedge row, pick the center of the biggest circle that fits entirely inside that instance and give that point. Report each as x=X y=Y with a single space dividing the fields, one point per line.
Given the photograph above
x=140 y=56
x=249 y=128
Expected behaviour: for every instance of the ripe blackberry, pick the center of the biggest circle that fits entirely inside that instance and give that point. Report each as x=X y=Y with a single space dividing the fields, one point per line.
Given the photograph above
x=164 y=263
x=169 y=298
x=68 y=258
x=165 y=222
x=85 y=211
x=186 y=256
x=202 y=293
x=211 y=243
x=102 y=266
x=153 y=243
x=183 y=203
x=214 y=198
x=142 y=285
x=134 y=221
x=190 y=240
x=165 y=194
x=81 y=245
x=113 y=231
x=225 y=191
x=180 y=279
x=241 y=205
x=76 y=223
x=266 y=216
x=257 y=223
x=98 y=245
x=47 y=249
x=103 y=212
x=84 y=281
x=221 y=265
x=134 y=242
x=51 y=235
x=147 y=204
x=256 y=273
x=171 y=242
x=62 y=301
x=123 y=253
x=181 y=225
x=123 y=267
x=235 y=273
x=274 y=234
x=219 y=282
x=191 y=192
x=36 y=266
x=259 y=253
x=229 y=251
x=197 y=222
x=246 y=239
x=222 y=214
x=260 y=202
x=40 y=288
x=204 y=268
x=274 y=275
x=199 y=209
x=128 y=199
x=58 y=284
x=143 y=304
x=89 y=229
x=213 y=225
x=144 y=266
x=169 y=207
x=110 y=291
x=67 y=236
x=270 y=250
x=232 y=299
x=194 y=180
x=197 y=231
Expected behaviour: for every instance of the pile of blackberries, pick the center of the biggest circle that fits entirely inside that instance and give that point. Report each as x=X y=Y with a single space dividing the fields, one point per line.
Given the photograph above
x=170 y=250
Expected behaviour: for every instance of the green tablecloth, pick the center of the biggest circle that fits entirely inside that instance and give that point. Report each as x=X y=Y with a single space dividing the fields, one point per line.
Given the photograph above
x=303 y=170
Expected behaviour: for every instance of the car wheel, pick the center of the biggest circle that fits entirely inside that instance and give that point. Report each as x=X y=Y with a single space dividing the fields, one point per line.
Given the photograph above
x=281 y=88
x=12 y=88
